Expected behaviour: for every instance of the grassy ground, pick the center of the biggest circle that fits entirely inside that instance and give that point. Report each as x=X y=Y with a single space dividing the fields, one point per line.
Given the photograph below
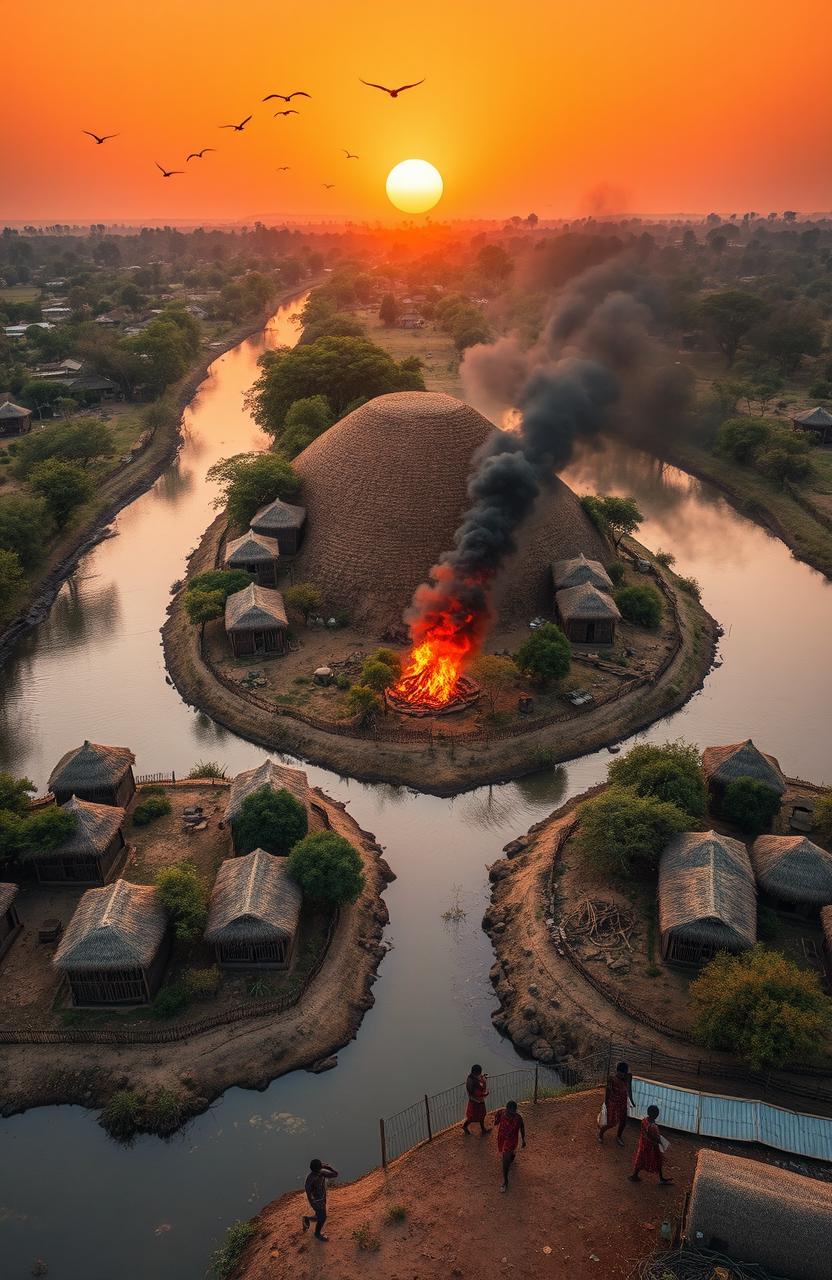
x=19 y=293
x=434 y=348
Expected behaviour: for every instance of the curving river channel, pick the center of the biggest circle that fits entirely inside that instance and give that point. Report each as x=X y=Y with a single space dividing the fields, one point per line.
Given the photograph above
x=94 y=668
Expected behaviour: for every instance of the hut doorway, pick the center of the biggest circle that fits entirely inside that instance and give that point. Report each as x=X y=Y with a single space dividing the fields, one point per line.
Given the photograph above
x=113 y=986
x=273 y=954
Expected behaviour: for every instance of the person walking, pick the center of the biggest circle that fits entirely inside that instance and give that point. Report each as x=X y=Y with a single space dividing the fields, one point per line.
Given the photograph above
x=315 y=1188
x=476 y=1087
x=510 y=1130
x=618 y=1093
x=650 y=1150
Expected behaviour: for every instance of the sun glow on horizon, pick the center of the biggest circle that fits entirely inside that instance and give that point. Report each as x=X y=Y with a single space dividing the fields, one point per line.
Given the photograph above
x=414 y=186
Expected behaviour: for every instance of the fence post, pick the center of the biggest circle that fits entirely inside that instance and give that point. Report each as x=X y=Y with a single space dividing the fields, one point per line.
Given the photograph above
x=383 y=1144
x=427 y=1114
x=173 y=776
x=536 y=1070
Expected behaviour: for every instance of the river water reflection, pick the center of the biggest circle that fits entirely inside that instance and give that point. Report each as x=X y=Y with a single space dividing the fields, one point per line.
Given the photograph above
x=93 y=1209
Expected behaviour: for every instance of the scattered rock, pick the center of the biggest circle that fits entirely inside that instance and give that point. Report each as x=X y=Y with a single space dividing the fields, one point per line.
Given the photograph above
x=529 y=1011
x=534 y=989
x=555 y=1004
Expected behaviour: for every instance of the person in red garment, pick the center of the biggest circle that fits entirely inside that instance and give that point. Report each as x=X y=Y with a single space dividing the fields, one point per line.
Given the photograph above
x=619 y=1093
x=476 y=1086
x=649 y=1154
x=510 y=1131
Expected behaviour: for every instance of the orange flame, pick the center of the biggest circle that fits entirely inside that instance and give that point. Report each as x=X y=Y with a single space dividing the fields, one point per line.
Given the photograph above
x=432 y=672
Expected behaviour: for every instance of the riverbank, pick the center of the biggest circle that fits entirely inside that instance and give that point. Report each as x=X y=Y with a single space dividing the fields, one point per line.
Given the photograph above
x=123 y=486
x=88 y=1065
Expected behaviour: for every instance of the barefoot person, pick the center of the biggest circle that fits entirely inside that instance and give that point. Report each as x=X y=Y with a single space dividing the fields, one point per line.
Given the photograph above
x=619 y=1093
x=510 y=1130
x=315 y=1187
x=650 y=1149
x=476 y=1087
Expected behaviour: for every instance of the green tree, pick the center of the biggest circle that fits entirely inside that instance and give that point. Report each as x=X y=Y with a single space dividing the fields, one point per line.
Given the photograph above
x=495 y=676
x=11 y=578
x=729 y=316
x=388 y=312
x=305 y=420
x=28 y=833
x=226 y=581
x=741 y=439
x=336 y=324
x=377 y=675
x=750 y=804
x=788 y=335
x=184 y=896
x=545 y=655
x=304 y=598
x=250 y=480
x=204 y=606
x=327 y=868
x=785 y=457
x=64 y=486
x=364 y=702
x=15 y=794
x=25 y=525
x=640 y=604
x=81 y=440
x=761 y=1006
x=623 y=834
x=494 y=263
x=270 y=820
x=672 y=772
x=613 y=515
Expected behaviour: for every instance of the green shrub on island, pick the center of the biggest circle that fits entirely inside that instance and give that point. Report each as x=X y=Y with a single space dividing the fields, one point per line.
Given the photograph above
x=672 y=772
x=204 y=606
x=249 y=481
x=750 y=804
x=364 y=702
x=378 y=675
x=622 y=834
x=641 y=605
x=691 y=587
x=616 y=517
x=761 y=1006
x=64 y=485
x=227 y=581
x=270 y=820
x=183 y=895
x=226 y=1257
x=304 y=598
x=545 y=656
x=327 y=868
x=615 y=572
x=150 y=808
x=34 y=832
x=170 y=1001
x=207 y=769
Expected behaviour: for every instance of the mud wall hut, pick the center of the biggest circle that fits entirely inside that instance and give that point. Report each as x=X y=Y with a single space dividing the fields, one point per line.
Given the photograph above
x=116 y=945
x=254 y=913
x=256 y=621
x=793 y=872
x=707 y=898
x=10 y=925
x=283 y=522
x=100 y=774
x=91 y=855
x=256 y=555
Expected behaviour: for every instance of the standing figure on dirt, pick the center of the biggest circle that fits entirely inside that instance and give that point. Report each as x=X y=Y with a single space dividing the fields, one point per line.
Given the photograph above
x=510 y=1130
x=619 y=1093
x=476 y=1087
x=650 y=1149
x=315 y=1187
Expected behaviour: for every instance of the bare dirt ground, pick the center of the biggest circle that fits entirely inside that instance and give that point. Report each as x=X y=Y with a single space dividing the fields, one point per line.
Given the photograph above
x=569 y=1212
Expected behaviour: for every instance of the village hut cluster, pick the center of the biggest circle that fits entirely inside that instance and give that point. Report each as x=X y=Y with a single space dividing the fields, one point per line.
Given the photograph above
x=255 y=617
x=583 y=599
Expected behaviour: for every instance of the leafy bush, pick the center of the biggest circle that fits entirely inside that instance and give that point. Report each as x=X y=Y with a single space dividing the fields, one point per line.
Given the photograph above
x=169 y=1002
x=761 y=1006
x=230 y=1252
x=202 y=984
x=226 y=581
x=364 y=702
x=366 y=1238
x=691 y=587
x=15 y=793
x=742 y=439
x=149 y=809
x=250 y=480
x=641 y=605
x=64 y=485
x=615 y=570
x=621 y=833
x=270 y=820
x=395 y=1214
x=613 y=515
x=390 y=659
x=183 y=894
x=207 y=769
x=11 y=576
x=121 y=1114
x=342 y=682
x=665 y=558
x=327 y=868
x=204 y=606
x=545 y=656
x=672 y=772
x=81 y=441
x=378 y=675
x=305 y=599
x=750 y=804
x=25 y=524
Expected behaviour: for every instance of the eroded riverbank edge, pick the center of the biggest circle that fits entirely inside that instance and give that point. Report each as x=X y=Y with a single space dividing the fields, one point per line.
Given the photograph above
x=448 y=770
x=246 y=1054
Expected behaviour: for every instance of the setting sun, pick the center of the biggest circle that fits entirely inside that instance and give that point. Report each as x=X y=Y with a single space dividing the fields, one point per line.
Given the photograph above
x=414 y=186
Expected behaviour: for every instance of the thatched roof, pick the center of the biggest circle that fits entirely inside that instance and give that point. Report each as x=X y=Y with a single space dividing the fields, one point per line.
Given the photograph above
x=10 y=410
x=706 y=890
x=762 y=1214
x=89 y=766
x=269 y=774
x=117 y=927
x=586 y=602
x=255 y=608
x=574 y=572
x=385 y=489
x=254 y=900
x=742 y=760
x=793 y=868
x=251 y=548
x=95 y=826
x=818 y=417
x=8 y=893
x=826 y=924
x=278 y=515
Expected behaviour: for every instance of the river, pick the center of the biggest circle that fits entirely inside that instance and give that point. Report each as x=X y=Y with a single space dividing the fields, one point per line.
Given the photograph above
x=94 y=668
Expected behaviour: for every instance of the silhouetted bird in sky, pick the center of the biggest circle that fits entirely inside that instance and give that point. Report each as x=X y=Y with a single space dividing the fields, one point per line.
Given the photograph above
x=197 y=155
x=281 y=168
x=291 y=112
x=349 y=154
x=328 y=185
x=394 y=93
x=287 y=97
x=239 y=127
x=167 y=173
x=96 y=138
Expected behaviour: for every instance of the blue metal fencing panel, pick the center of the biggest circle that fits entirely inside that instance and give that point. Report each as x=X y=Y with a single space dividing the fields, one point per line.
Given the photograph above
x=737 y=1119
x=678 y=1108
x=792 y=1131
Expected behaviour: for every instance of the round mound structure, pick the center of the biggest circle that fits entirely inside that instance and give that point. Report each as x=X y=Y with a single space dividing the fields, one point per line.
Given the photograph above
x=384 y=490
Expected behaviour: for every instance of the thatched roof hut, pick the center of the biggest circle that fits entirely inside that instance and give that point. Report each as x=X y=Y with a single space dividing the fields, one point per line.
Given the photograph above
x=707 y=899
x=282 y=521
x=587 y=615
x=254 y=912
x=255 y=554
x=816 y=421
x=759 y=1213
x=277 y=776
x=14 y=419
x=793 y=870
x=722 y=765
x=113 y=950
x=256 y=621
x=94 y=772
x=577 y=571
x=385 y=489
x=93 y=851
x=10 y=925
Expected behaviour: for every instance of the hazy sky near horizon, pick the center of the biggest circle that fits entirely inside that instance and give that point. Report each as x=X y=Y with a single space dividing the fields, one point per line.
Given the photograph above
x=564 y=107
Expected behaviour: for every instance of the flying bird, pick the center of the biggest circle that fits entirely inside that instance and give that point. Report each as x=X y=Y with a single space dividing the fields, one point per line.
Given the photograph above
x=287 y=97
x=97 y=139
x=167 y=173
x=328 y=185
x=290 y=112
x=197 y=155
x=349 y=154
x=281 y=168
x=239 y=127
x=394 y=93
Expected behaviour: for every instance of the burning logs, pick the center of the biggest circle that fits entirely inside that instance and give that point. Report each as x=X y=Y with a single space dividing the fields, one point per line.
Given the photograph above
x=411 y=699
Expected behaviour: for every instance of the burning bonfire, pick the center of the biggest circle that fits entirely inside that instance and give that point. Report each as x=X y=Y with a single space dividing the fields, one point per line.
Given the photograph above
x=432 y=681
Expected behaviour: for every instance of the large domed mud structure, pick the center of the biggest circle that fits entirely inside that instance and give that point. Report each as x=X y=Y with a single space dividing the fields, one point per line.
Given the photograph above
x=384 y=490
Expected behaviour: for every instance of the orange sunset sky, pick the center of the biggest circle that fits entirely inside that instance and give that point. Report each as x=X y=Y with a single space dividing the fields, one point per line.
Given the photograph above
x=563 y=107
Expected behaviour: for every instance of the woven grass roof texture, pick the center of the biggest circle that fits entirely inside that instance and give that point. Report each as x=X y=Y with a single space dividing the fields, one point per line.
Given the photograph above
x=8 y=893
x=826 y=924
x=586 y=602
x=268 y=774
x=251 y=548
x=91 y=765
x=255 y=608
x=95 y=826
x=117 y=927
x=743 y=760
x=254 y=899
x=780 y=1220
x=384 y=491
x=277 y=515
x=706 y=890
x=574 y=572
x=793 y=868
